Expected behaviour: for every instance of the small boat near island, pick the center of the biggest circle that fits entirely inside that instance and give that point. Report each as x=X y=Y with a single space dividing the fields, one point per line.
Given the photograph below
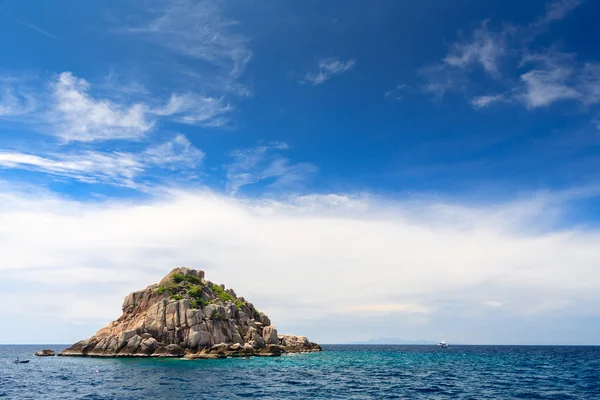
x=17 y=361
x=443 y=345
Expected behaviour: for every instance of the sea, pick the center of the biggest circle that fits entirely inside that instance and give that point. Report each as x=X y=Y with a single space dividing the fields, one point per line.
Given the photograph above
x=339 y=372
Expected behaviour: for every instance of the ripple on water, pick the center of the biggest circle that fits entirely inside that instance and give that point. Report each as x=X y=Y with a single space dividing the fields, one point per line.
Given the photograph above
x=341 y=372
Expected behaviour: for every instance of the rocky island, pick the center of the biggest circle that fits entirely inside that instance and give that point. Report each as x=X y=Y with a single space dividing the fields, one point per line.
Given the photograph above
x=187 y=316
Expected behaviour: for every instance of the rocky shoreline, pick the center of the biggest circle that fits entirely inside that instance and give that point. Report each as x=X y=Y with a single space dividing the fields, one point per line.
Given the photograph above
x=44 y=353
x=187 y=316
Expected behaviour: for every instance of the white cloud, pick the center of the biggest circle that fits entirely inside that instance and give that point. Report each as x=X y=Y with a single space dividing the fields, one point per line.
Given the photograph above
x=202 y=53
x=176 y=152
x=111 y=167
x=558 y=77
x=556 y=11
x=551 y=81
x=326 y=68
x=260 y=163
x=71 y=112
x=397 y=92
x=440 y=79
x=77 y=116
x=485 y=101
x=207 y=54
x=323 y=260
x=198 y=29
x=288 y=175
x=589 y=83
x=484 y=48
x=553 y=77
x=176 y=105
x=196 y=110
x=543 y=88
x=14 y=101
x=87 y=166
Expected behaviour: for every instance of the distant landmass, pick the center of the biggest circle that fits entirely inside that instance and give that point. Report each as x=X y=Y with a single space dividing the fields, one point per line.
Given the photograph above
x=394 y=341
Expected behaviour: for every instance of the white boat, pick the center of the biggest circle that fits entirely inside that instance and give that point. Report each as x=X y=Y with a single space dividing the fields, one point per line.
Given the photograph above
x=443 y=344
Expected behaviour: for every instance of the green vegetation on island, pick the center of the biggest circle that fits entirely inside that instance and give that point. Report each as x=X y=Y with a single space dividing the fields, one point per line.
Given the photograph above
x=200 y=293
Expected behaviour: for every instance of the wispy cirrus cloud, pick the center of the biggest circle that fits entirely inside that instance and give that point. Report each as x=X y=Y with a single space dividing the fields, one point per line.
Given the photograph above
x=488 y=48
x=555 y=11
x=484 y=48
x=175 y=153
x=398 y=92
x=85 y=166
x=589 y=81
x=551 y=80
x=252 y=165
x=210 y=55
x=108 y=167
x=439 y=80
x=14 y=100
x=196 y=110
x=211 y=58
x=197 y=29
x=552 y=77
x=326 y=68
x=487 y=100
x=212 y=52
x=532 y=78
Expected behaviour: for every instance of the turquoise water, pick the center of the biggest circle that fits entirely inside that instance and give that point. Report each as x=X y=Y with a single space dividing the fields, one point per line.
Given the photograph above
x=339 y=372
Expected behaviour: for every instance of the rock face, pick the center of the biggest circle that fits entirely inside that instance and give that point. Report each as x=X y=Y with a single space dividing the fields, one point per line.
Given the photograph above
x=44 y=353
x=186 y=315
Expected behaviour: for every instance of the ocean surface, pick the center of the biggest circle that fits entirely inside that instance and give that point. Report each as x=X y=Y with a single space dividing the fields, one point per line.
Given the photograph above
x=339 y=372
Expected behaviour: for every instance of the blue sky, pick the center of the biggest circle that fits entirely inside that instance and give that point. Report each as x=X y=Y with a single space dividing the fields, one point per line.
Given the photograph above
x=467 y=127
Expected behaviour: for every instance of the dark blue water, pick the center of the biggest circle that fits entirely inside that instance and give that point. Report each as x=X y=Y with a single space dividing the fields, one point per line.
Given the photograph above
x=340 y=372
